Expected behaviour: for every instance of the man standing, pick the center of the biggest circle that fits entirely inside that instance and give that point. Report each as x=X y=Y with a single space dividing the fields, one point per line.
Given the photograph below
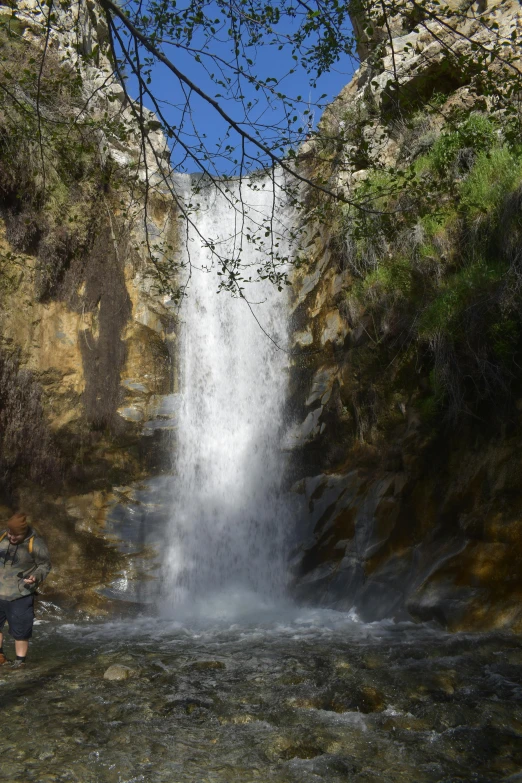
x=24 y=564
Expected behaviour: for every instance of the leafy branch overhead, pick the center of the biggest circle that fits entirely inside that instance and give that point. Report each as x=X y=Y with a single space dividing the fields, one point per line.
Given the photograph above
x=213 y=54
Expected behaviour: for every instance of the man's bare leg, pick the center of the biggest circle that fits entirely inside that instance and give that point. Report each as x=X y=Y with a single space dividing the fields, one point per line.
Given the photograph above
x=21 y=647
x=3 y=658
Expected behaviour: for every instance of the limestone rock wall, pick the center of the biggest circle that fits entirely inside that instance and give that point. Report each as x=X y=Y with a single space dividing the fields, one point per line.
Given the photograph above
x=402 y=519
x=87 y=344
x=86 y=417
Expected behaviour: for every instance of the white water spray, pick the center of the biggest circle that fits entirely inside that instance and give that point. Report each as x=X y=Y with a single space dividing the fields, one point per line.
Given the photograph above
x=230 y=519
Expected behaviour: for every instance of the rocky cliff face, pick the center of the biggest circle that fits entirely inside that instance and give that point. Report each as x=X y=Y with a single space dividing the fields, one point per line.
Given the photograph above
x=411 y=480
x=86 y=341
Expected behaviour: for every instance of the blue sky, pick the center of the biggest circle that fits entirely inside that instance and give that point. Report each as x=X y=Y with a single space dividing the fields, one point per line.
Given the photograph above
x=208 y=125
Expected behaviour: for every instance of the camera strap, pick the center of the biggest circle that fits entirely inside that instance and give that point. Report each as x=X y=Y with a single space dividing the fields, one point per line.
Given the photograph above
x=30 y=543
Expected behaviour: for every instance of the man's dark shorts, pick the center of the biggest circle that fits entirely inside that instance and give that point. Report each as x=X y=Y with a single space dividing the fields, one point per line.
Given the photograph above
x=20 y=616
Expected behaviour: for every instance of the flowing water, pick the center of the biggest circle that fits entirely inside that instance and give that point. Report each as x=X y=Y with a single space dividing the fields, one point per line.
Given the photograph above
x=303 y=697
x=230 y=519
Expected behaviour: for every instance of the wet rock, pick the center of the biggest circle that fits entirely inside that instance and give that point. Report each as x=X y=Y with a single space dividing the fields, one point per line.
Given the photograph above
x=202 y=665
x=237 y=720
x=329 y=764
x=118 y=672
x=373 y=661
x=365 y=699
x=292 y=679
x=335 y=328
x=370 y=699
x=303 y=338
x=187 y=704
x=285 y=749
x=443 y=544
x=307 y=430
x=321 y=385
x=131 y=413
x=304 y=703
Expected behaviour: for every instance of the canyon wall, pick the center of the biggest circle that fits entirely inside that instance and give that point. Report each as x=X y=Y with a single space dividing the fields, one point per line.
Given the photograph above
x=405 y=390
x=86 y=339
x=408 y=444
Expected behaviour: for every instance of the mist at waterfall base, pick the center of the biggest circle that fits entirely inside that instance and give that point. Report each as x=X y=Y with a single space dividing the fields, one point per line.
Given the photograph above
x=231 y=519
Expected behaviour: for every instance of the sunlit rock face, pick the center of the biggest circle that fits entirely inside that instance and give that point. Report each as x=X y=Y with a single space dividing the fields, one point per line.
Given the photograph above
x=86 y=346
x=404 y=519
x=88 y=414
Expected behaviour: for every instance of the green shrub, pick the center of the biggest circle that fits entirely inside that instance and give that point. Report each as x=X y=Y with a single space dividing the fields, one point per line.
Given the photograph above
x=494 y=175
x=444 y=152
x=437 y=230
x=505 y=335
x=378 y=188
x=433 y=223
x=393 y=277
x=477 y=133
x=457 y=294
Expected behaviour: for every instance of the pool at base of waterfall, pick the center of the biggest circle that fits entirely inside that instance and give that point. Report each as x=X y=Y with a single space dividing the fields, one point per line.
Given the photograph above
x=301 y=697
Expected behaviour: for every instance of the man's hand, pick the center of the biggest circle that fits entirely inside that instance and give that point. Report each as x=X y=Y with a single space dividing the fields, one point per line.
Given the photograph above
x=30 y=580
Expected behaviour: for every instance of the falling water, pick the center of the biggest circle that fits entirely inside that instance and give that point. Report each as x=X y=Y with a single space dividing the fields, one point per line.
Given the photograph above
x=230 y=518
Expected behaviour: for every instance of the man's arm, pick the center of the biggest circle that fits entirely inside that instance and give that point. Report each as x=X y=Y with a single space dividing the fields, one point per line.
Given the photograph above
x=43 y=562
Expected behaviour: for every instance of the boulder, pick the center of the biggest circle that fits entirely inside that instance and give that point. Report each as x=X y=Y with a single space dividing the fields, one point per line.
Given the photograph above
x=117 y=672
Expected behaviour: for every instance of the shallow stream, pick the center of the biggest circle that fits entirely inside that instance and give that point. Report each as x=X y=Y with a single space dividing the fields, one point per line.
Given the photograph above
x=307 y=697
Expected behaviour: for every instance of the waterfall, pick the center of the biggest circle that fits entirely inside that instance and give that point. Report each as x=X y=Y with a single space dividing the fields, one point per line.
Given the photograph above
x=230 y=519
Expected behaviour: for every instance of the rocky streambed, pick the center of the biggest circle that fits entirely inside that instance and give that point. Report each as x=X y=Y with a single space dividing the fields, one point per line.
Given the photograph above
x=305 y=697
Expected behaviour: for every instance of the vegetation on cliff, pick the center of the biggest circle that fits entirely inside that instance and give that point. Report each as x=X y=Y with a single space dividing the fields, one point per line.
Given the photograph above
x=426 y=152
x=219 y=45
x=439 y=268
x=409 y=340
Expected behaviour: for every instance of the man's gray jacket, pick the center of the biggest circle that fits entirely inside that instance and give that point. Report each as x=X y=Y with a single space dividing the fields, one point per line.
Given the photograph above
x=30 y=557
